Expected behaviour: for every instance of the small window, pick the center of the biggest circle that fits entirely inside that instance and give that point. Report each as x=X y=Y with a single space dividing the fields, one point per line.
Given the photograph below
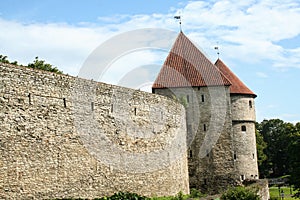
x=191 y=154
x=29 y=98
x=205 y=181
x=202 y=98
x=188 y=98
x=204 y=127
x=253 y=156
x=244 y=128
x=92 y=106
x=199 y=88
x=207 y=153
x=112 y=108
x=242 y=177
x=134 y=111
x=65 y=102
x=250 y=104
x=234 y=156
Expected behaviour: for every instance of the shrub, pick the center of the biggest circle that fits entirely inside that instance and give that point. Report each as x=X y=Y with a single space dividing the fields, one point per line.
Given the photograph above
x=239 y=193
x=125 y=196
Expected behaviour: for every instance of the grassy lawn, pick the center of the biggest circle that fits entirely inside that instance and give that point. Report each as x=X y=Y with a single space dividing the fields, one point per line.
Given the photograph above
x=275 y=194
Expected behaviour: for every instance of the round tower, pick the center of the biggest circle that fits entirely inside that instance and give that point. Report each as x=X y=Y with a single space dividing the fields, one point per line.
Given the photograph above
x=243 y=125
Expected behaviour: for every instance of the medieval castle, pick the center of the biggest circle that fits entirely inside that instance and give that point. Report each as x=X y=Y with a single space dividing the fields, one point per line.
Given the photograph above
x=67 y=137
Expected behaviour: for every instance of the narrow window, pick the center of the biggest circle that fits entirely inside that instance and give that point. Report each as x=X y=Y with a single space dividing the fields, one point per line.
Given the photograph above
x=234 y=156
x=202 y=98
x=188 y=98
x=112 y=108
x=191 y=154
x=204 y=127
x=65 y=103
x=242 y=177
x=244 y=128
x=198 y=88
x=205 y=181
x=250 y=104
x=134 y=111
x=92 y=106
x=29 y=98
x=207 y=153
x=253 y=156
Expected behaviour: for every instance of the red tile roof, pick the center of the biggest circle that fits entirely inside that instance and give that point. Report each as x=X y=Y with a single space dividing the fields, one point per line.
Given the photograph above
x=237 y=87
x=187 y=66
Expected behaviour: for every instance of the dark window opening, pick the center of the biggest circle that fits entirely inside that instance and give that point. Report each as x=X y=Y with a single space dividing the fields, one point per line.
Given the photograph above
x=234 y=156
x=205 y=181
x=250 y=104
x=65 y=103
x=244 y=128
x=134 y=111
x=207 y=153
x=199 y=88
x=191 y=154
x=92 y=106
x=242 y=177
x=112 y=108
x=204 y=127
x=253 y=156
x=202 y=98
x=29 y=98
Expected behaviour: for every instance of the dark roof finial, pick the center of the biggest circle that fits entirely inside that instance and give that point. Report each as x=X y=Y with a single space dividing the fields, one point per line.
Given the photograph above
x=178 y=17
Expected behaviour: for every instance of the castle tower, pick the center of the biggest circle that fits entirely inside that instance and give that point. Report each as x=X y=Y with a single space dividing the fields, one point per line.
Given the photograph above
x=243 y=125
x=188 y=76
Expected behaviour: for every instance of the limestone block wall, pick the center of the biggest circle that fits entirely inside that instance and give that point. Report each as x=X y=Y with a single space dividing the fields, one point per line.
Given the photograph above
x=210 y=140
x=66 y=137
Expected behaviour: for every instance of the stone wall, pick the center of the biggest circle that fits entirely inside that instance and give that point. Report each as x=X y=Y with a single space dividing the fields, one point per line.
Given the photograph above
x=210 y=140
x=63 y=137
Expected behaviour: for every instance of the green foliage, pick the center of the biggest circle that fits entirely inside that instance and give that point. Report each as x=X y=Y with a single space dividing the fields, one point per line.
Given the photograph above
x=125 y=196
x=261 y=145
x=196 y=193
x=179 y=196
x=3 y=59
x=41 y=65
x=239 y=193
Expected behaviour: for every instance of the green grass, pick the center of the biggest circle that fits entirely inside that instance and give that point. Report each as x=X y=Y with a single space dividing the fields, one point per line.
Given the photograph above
x=274 y=193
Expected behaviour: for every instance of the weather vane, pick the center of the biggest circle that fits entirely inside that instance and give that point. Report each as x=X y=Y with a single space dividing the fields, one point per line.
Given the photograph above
x=217 y=48
x=178 y=17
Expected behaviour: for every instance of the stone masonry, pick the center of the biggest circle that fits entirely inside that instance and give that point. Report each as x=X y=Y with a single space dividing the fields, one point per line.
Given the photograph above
x=66 y=137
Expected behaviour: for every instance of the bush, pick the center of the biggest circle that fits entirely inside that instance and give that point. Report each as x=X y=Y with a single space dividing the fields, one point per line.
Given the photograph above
x=125 y=196
x=196 y=193
x=240 y=193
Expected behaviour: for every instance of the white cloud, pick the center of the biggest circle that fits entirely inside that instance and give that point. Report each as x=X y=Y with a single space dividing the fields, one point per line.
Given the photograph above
x=246 y=30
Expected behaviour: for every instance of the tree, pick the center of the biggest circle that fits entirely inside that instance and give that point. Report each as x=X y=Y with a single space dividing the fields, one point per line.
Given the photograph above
x=276 y=133
x=40 y=64
x=261 y=145
x=295 y=159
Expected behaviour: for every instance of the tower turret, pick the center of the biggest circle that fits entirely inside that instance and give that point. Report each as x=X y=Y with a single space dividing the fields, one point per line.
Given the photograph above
x=243 y=125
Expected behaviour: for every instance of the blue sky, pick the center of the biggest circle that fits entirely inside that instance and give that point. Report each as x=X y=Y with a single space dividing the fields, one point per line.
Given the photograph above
x=258 y=40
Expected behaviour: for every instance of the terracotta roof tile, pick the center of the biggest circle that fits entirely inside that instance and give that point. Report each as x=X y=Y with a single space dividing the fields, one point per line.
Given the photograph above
x=187 y=66
x=237 y=87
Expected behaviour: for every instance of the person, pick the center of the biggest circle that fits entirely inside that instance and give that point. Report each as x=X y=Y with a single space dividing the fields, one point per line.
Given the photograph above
x=282 y=194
